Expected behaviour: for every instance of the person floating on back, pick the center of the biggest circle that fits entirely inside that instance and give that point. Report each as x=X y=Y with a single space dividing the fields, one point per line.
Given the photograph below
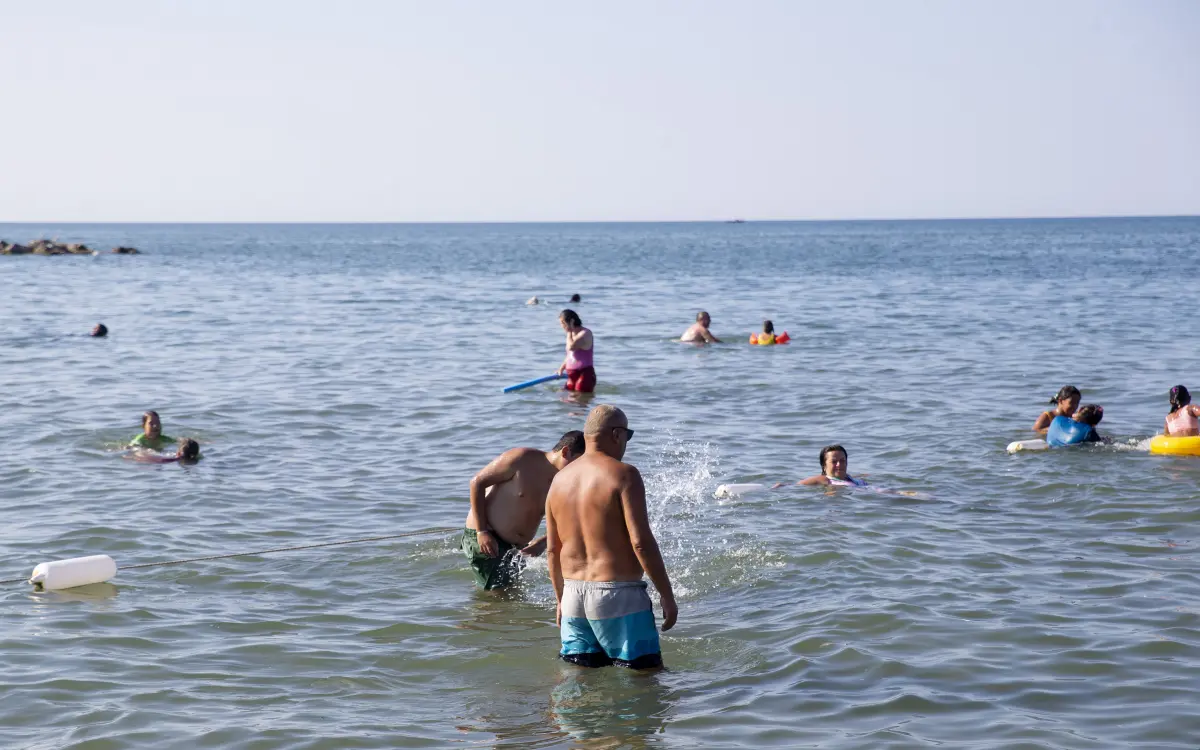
x=189 y=452
x=1066 y=401
x=1184 y=419
x=1077 y=429
x=508 y=499
x=581 y=376
x=598 y=546
x=152 y=436
x=699 y=332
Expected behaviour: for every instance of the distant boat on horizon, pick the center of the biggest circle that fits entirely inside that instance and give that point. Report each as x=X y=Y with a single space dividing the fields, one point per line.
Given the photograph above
x=735 y=221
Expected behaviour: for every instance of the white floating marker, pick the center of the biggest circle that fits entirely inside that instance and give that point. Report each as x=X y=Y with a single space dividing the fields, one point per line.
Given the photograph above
x=78 y=571
x=1027 y=445
x=737 y=490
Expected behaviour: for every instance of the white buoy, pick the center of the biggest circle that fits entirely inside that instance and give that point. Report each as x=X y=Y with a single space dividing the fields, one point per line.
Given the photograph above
x=737 y=490
x=78 y=571
x=1027 y=445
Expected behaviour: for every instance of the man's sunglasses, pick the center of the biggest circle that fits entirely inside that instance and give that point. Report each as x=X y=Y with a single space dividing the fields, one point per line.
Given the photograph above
x=628 y=432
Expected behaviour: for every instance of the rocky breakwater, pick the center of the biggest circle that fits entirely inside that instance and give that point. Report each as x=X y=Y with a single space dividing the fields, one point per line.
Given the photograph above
x=54 y=247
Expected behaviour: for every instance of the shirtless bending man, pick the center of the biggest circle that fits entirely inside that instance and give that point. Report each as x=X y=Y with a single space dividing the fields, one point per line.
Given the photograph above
x=598 y=544
x=699 y=330
x=508 y=498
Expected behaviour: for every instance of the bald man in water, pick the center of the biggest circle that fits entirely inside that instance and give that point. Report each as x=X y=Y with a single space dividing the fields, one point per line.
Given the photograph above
x=598 y=545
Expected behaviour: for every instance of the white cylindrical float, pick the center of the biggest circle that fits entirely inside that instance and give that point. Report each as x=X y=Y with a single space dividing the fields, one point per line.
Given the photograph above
x=78 y=571
x=1027 y=445
x=737 y=490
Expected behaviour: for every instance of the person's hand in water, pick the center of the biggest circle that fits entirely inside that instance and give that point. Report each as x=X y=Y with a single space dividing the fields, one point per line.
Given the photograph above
x=535 y=548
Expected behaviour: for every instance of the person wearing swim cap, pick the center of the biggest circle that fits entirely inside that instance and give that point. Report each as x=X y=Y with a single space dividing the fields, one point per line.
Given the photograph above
x=698 y=332
x=1066 y=401
x=834 y=469
x=189 y=452
x=581 y=376
x=1077 y=429
x=599 y=545
x=152 y=436
x=1184 y=419
x=508 y=500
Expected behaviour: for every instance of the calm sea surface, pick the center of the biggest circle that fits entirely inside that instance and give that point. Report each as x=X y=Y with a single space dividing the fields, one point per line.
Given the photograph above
x=344 y=381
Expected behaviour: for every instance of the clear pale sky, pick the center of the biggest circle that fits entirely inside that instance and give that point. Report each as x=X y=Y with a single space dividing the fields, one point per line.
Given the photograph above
x=369 y=110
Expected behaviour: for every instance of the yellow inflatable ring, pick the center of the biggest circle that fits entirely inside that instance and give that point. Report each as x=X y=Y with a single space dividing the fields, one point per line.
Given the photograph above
x=1175 y=446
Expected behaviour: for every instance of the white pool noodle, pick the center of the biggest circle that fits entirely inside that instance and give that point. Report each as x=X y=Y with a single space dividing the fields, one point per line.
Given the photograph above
x=737 y=490
x=1028 y=445
x=77 y=571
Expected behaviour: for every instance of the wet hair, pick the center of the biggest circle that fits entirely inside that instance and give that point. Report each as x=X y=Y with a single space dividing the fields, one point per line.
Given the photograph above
x=576 y=298
x=830 y=449
x=571 y=317
x=1180 y=397
x=768 y=327
x=1090 y=414
x=572 y=441
x=1066 y=392
x=100 y=330
x=701 y=316
x=190 y=449
x=146 y=418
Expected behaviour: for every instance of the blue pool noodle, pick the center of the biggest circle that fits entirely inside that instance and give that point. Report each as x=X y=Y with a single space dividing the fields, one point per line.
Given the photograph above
x=535 y=381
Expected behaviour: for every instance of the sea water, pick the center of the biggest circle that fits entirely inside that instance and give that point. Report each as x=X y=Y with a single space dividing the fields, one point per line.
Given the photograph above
x=344 y=381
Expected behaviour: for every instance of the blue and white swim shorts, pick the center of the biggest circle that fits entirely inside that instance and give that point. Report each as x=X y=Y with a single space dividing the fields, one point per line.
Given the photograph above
x=609 y=622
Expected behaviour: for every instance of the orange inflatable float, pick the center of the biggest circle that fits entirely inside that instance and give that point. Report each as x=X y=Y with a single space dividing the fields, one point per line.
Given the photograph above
x=766 y=339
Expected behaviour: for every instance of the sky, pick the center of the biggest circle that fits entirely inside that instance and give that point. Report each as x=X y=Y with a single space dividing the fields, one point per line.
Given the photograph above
x=453 y=110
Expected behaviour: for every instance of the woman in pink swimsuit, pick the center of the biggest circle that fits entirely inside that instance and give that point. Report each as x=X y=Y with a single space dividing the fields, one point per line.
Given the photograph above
x=581 y=377
x=1184 y=419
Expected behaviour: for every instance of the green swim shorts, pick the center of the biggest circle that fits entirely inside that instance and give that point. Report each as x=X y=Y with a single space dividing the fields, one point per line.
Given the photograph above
x=492 y=572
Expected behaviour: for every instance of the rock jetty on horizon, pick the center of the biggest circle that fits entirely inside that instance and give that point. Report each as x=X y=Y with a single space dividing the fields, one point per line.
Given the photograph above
x=54 y=247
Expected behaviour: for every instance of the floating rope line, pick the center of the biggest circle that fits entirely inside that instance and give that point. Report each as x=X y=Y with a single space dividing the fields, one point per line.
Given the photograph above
x=275 y=549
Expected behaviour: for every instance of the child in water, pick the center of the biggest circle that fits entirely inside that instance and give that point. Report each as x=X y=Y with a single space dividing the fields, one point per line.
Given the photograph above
x=151 y=436
x=1184 y=419
x=1067 y=400
x=1077 y=429
x=767 y=336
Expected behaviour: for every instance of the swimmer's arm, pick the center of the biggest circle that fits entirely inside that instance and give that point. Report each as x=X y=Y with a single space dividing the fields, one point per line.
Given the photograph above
x=500 y=470
x=709 y=337
x=581 y=340
x=819 y=479
x=1043 y=423
x=1167 y=427
x=535 y=548
x=645 y=546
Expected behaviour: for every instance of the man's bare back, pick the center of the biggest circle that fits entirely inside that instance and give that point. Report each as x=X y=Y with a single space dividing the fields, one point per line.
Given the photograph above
x=590 y=521
x=514 y=505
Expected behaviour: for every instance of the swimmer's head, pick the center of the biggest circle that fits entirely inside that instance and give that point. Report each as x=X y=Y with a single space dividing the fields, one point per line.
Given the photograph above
x=703 y=319
x=189 y=450
x=151 y=424
x=569 y=319
x=607 y=430
x=1180 y=397
x=570 y=445
x=834 y=461
x=768 y=327
x=1067 y=397
x=1090 y=414
x=99 y=330
x=576 y=298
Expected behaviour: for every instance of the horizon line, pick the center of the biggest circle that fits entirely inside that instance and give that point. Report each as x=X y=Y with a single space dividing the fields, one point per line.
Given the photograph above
x=730 y=220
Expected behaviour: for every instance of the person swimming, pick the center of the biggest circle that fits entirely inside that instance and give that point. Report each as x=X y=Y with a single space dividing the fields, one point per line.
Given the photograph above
x=99 y=330
x=698 y=332
x=768 y=333
x=152 y=436
x=1184 y=419
x=188 y=452
x=581 y=376
x=1077 y=429
x=1066 y=401
x=835 y=463
x=575 y=298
